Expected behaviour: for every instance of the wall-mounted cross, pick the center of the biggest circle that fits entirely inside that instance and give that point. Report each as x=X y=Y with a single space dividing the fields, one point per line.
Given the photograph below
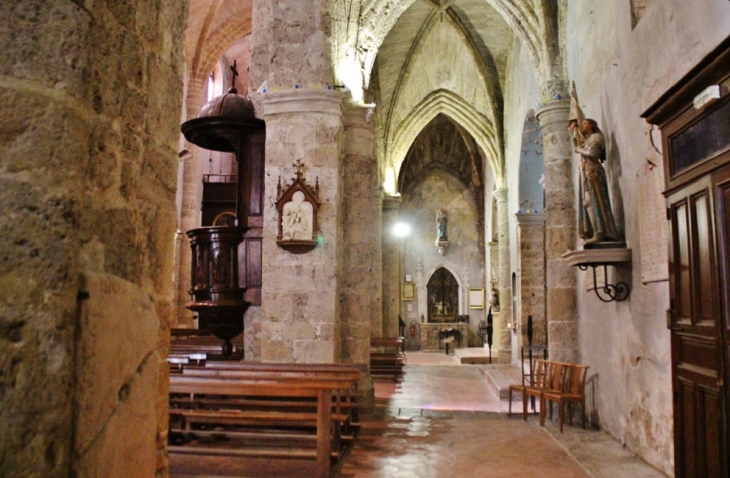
x=299 y=166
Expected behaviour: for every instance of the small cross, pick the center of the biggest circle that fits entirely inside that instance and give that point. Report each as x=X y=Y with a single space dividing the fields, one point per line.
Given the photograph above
x=299 y=167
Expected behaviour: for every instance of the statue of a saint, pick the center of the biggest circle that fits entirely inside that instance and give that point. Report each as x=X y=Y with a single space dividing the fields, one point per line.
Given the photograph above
x=441 y=225
x=595 y=218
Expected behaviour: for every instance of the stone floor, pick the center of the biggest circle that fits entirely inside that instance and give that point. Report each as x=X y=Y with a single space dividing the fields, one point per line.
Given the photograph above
x=446 y=420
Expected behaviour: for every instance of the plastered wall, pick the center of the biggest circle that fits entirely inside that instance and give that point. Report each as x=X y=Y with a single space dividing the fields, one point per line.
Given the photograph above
x=619 y=72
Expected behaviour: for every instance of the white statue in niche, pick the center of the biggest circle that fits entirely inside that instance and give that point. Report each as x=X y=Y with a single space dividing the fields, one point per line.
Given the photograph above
x=296 y=223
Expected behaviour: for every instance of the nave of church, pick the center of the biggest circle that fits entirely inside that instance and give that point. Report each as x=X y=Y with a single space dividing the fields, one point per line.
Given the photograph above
x=308 y=189
x=446 y=419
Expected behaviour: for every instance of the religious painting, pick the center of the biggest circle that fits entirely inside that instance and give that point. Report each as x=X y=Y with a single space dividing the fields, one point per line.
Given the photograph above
x=443 y=296
x=297 y=204
x=408 y=291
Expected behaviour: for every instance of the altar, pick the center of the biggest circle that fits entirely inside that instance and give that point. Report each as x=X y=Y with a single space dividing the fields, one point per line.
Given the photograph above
x=430 y=335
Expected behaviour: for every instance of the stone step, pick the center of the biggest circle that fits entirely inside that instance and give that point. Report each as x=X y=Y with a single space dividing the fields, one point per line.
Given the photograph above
x=473 y=355
x=500 y=377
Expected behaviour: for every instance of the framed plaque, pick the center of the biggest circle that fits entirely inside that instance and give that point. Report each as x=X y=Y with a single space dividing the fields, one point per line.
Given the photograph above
x=476 y=297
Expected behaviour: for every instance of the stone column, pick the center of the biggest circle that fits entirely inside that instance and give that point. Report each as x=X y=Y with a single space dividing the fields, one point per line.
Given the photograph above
x=503 y=279
x=531 y=276
x=301 y=292
x=560 y=231
x=392 y=255
x=301 y=302
x=363 y=281
x=90 y=101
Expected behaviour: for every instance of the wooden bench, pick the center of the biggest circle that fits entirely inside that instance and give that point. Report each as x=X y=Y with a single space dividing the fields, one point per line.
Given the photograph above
x=345 y=400
x=222 y=428
x=187 y=341
x=389 y=357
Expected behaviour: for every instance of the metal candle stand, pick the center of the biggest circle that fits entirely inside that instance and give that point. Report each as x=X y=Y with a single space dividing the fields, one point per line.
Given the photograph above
x=485 y=332
x=531 y=357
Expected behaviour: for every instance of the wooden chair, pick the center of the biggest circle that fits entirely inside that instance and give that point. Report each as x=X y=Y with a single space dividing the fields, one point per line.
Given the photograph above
x=538 y=382
x=573 y=390
x=553 y=382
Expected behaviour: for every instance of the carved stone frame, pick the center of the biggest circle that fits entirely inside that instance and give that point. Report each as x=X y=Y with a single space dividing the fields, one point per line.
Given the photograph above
x=311 y=195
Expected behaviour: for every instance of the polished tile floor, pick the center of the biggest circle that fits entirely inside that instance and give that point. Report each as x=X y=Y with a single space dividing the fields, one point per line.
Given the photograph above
x=443 y=420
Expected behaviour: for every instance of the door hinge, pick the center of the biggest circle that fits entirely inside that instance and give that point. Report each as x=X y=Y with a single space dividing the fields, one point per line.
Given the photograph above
x=669 y=214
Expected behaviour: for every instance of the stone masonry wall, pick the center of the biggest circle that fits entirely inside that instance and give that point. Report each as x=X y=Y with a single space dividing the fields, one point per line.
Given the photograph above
x=90 y=100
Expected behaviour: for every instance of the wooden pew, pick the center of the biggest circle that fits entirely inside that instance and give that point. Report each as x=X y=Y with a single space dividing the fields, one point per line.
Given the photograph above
x=274 y=411
x=345 y=400
x=189 y=341
x=389 y=358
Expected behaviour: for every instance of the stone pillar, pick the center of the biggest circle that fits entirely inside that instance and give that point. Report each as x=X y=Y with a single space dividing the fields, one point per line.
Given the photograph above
x=301 y=292
x=362 y=283
x=560 y=231
x=503 y=279
x=392 y=255
x=90 y=99
x=301 y=301
x=531 y=276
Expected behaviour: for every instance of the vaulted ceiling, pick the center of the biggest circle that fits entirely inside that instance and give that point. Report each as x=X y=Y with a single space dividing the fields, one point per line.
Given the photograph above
x=441 y=59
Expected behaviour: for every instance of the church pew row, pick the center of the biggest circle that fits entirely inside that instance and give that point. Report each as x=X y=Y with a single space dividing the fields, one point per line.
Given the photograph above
x=243 y=415
x=189 y=341
x=387 y=356
x=344 y=400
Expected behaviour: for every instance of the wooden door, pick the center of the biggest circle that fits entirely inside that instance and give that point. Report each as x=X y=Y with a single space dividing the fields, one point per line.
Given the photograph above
x=696 y=323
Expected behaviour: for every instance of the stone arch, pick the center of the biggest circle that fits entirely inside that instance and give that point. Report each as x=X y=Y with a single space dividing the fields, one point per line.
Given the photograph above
x=458 y=110
x=530 y=193
x=486 y=70
x=208 y=51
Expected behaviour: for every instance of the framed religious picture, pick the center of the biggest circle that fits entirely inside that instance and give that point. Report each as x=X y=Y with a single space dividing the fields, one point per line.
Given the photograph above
x=408 y=291
x=297 y=204
x=476 y=297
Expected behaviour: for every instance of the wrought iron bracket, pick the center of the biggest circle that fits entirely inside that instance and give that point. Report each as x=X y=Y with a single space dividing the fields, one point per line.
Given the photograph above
x=595 y=258
x=608 y=292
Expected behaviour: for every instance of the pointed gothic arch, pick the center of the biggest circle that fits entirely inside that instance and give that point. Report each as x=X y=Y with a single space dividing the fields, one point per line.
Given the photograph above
x=461 y=113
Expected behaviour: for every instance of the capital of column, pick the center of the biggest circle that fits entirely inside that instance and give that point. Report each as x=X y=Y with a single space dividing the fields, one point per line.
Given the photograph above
x=391 y=202
x=554 y=115
x=524 y=219
x=326 y=102
x=359 y=116
x=501 y=195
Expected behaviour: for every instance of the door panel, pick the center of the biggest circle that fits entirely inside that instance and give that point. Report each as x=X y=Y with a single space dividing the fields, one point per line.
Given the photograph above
x=696 y=334
x=251 y=176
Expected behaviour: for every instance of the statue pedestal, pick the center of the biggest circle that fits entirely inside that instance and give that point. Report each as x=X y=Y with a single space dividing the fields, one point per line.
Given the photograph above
x=441 y=247
x=600 y=258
